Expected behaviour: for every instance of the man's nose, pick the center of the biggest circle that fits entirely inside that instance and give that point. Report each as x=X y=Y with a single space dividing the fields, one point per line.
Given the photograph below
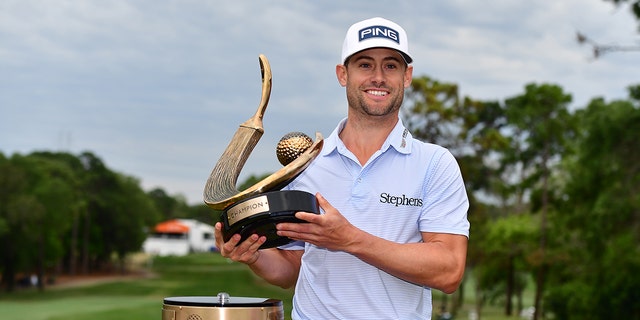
x=378 y=76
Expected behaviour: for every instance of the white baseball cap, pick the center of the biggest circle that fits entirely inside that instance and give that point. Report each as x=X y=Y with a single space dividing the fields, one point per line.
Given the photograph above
x=375 y=33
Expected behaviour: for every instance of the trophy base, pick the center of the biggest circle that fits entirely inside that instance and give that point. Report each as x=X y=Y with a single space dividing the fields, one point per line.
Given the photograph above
x=221 y=307
x=260 y=214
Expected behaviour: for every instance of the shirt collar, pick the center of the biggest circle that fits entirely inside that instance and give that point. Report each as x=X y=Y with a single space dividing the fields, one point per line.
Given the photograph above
x=400 y=139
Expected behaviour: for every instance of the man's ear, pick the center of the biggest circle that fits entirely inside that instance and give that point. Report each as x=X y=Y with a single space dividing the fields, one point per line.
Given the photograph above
x=341 y=74
x=408 y=76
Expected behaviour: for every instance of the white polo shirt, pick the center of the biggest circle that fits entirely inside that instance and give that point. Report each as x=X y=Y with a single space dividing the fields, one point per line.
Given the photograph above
x=407 y=187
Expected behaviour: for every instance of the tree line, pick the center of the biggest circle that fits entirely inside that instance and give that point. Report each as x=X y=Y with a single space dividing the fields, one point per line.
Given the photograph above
x=554 y=195
x=70 y=214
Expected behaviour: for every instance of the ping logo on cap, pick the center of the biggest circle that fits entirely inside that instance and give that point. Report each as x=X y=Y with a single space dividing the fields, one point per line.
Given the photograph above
x=378 y=32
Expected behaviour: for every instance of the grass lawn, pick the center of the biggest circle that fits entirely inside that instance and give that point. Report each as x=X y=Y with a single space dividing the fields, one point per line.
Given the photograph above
x=142 y=298
x=92 y=307
x=194 y=275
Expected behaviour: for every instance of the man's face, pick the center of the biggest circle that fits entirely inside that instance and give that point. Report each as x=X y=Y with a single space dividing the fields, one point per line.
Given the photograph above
x=375 y=80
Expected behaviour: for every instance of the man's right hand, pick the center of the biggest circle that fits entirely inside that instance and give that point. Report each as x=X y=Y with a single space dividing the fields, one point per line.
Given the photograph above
x=245 y=252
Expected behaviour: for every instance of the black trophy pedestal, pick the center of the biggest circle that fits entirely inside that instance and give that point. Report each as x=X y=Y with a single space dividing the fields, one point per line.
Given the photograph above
x=260 y=214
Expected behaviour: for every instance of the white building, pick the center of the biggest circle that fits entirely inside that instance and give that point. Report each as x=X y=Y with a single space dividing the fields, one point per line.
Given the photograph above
x=179 y=237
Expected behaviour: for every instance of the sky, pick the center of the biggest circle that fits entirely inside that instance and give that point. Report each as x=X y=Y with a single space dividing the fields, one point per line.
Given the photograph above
x=156 y=89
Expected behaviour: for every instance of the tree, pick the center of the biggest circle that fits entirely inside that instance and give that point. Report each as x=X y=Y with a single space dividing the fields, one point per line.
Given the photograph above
x=117 y=214
x=131 y=212
x=541 y=126
x=171 y=207
x=97 y=181
x=601 y=216
x=506 y=242
x=39 y=198
x=601 y=49
x=57 y=209
x=12 y=183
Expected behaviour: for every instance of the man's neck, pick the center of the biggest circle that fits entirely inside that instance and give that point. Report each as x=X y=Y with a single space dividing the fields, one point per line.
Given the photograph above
x=363 y=137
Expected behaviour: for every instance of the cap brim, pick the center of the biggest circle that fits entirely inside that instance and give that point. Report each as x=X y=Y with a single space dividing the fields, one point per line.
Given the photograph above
x=405 y=56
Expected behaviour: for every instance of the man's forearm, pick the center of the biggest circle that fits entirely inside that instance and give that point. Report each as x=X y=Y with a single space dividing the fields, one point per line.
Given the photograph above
x=278 y=267
x=437 y=263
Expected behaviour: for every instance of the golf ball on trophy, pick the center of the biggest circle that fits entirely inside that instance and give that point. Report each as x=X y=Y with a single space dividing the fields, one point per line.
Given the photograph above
x=291 y=146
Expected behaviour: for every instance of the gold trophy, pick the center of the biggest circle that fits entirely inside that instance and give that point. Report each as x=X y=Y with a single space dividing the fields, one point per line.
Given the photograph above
x=260 y=207
x=254 y=210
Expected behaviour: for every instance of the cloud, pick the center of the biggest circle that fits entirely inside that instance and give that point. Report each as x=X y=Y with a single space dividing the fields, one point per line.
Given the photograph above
x=157 y=89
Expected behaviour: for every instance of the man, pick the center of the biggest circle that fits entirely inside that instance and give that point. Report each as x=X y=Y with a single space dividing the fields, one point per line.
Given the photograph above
x=394 y=222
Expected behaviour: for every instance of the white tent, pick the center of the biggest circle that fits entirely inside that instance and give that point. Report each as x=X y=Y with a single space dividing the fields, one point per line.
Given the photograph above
x=179 y=237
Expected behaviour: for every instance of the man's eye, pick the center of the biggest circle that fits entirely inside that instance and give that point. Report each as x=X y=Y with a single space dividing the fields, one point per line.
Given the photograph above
x=364 y=65
x=391 y=66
